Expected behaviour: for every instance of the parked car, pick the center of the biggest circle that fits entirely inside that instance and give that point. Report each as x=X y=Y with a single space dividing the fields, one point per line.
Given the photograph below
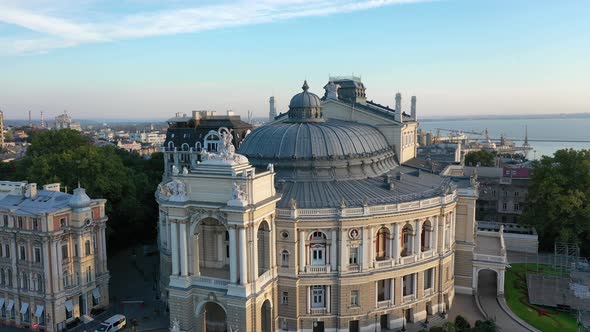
x=115 y=323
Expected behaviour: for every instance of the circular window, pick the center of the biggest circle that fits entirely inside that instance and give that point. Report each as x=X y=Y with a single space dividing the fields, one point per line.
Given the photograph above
x=87 y=221
x=284 y=235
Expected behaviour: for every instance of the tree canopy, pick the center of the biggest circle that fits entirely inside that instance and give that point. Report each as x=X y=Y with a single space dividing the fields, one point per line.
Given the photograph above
x=126 y=180
x=558 y=203
x=481 y=157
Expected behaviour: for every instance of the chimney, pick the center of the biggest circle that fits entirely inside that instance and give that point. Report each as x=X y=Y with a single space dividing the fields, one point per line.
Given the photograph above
x=413 y=108
x=31 y=191
x=398 y=107
x=53 y=186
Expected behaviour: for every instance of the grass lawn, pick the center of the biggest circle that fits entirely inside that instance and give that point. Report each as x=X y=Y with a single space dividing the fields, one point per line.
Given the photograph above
x=545 y=319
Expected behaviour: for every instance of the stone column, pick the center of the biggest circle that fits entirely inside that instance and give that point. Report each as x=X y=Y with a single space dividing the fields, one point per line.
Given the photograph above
x=233 y=258
x=47 y=287
x=301 y=251
x=366 y=248
x=443 y=237
x=254 y=234
x=334 y=251
x=434 y=239
x=418 y=238
x=273 y=246
x=453 y=225
x=473 y=279
x=399 y=290
x=371 y=247
x=183 y=250
x=55 y=267
x=220 y=235
x=343 y=251
x=500 y=283
x=308 y=291
x=59 y=265
x=243 y=256
x=174 y=247
x=396 y=243
x=196 y=253
x=392 y=291
x=328 y=299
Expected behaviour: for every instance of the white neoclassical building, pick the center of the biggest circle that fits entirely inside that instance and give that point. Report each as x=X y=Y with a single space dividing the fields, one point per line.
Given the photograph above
x=316 y=225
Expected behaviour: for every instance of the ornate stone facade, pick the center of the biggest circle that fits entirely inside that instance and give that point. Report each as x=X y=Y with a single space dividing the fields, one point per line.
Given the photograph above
x=255 y=248
x=53 y=258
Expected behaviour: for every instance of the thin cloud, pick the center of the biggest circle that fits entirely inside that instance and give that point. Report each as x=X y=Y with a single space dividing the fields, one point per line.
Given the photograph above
x=58 y=32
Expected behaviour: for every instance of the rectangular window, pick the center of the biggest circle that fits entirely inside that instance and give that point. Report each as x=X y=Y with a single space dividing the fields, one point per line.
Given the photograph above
x=63 y=222
x=353 y=256
x=428 y=277
x=22 y=254
x=284 y=324
x=89 y=274
x=408 y=284
x=354 y=298
x=36 y=224
x=87 y=247
x=37 y=255
x=516 y=194
x=76 y=251
x=317 y=297
x=285 y=298
x=516 y=207
x=20 y=222
x=494 y=193
x=504 y=206
x=7 y=250
x=5 y=221
x=64 y=252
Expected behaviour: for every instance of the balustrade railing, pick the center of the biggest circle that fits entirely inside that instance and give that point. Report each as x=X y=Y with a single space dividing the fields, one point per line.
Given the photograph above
x=317 y=268
x=318 y=311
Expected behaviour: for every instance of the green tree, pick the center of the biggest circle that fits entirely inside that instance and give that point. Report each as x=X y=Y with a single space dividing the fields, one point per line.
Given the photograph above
x=126 y=180
x=461 y=324
x=482 y=157
x=485 y=326
x=558 y=203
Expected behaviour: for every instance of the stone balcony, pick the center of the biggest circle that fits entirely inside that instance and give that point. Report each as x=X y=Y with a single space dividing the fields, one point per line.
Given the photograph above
x=313 y=269
x=318 y=311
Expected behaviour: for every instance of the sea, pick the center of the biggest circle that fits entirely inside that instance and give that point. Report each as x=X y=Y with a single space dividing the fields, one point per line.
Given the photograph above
x=546 y=135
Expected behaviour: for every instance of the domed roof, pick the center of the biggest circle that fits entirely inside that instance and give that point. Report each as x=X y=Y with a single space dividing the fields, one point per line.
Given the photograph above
x=295 y=148
x=79 y=199
x=305 y=99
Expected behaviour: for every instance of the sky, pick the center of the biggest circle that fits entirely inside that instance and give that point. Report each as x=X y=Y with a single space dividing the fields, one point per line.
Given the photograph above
x=148 y=59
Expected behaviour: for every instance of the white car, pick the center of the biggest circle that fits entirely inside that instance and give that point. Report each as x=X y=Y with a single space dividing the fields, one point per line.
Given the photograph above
x=115 y=323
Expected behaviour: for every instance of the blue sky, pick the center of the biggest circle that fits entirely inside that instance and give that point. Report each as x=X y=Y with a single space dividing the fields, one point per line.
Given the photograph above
x=141 y=59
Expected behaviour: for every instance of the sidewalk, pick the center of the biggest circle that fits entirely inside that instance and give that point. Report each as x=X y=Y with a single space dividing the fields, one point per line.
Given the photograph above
x=133 y=289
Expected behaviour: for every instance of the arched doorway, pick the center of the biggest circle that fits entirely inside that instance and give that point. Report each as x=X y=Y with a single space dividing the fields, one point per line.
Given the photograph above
x=266 y=317
x=212 y=317
x=263 y=238
x=487 y=283
x=210 y=249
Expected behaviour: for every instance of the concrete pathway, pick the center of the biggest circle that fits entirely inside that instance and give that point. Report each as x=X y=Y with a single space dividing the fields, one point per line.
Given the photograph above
x=490 y=305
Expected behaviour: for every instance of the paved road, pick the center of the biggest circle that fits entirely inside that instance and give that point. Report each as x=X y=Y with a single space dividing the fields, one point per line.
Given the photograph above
x=490 y=305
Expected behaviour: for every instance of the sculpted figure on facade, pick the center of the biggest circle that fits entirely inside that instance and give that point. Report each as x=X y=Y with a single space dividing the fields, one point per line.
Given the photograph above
x=332 y=90
x=174 y=190
x=238 y=193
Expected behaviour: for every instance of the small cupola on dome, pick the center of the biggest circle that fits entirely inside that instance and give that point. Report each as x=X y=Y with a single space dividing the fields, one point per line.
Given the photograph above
x=305 y=106
x=79 y=199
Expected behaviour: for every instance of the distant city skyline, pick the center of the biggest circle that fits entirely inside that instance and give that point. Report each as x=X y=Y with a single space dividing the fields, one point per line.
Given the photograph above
x=139 y=59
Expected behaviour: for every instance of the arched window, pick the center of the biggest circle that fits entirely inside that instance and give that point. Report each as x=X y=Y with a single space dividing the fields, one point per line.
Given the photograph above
x=211 y=141
x=171 y=145
x=284 y=258
x=407 y=240
x=381 y=241
x=2 y=277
